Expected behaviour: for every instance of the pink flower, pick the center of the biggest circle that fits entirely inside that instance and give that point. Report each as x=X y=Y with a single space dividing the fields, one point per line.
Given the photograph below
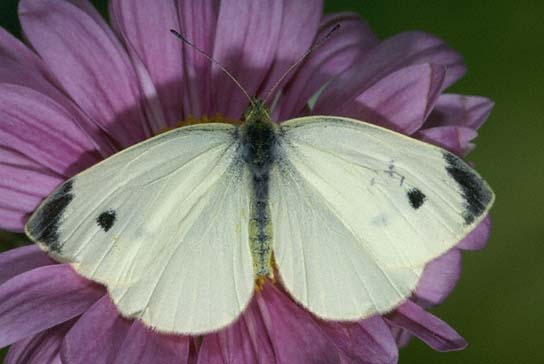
x=89 y=91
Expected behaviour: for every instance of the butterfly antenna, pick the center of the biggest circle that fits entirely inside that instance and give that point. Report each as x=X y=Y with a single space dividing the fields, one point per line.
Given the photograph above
x=316 y=45
x=185 y=40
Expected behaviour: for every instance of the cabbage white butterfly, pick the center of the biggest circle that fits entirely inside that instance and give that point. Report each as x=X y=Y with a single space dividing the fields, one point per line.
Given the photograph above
x=178 y=227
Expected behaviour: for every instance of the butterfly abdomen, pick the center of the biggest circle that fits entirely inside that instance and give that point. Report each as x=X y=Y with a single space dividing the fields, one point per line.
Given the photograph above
x=258 y=147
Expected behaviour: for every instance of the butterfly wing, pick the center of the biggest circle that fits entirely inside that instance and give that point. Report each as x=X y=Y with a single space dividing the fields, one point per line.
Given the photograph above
x=163 y=225
x=358 y=210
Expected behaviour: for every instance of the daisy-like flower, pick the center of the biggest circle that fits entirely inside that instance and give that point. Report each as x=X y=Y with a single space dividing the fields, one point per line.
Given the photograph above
x=86 y=91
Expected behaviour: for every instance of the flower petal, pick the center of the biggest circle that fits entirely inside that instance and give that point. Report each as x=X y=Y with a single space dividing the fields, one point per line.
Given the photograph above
x=17 y=261
x=456 y=139
x=199 y=23
x=14 y=50
x=460 y=110
x=111 y=339
x=244 y=342
x=294 y=333
x=23 y=185
x=246 y=41
x=43 y=348
x=430 y=329
x=145 y=27
x=400 y=101
x=36 y=126
x=478 y=238
x=350 y=44
x=12 y=219
x=299 y=26
x=273 y=329
x=101 y=329
x=20 y=66
x=397 y=52
x=42 y=298
x=439 y=278
x=89 y=63
x=402 y=337
x=367 y=341
x=143 y=346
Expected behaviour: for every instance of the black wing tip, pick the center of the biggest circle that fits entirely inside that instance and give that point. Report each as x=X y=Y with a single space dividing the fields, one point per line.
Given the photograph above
x=43 y=226
x=477 y=194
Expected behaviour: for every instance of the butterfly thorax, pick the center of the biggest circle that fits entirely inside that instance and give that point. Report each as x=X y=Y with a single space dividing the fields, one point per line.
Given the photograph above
x=258 y=149
x=258 y=138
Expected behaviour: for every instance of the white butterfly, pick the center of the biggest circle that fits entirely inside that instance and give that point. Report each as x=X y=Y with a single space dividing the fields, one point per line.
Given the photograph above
x=179 y=226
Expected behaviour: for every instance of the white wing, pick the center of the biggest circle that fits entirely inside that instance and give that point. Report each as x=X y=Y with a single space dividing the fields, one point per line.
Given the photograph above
x=357 y=211
x=163 y=225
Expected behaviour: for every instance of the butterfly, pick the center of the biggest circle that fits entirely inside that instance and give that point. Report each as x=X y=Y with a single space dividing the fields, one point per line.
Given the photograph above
x=180 y=226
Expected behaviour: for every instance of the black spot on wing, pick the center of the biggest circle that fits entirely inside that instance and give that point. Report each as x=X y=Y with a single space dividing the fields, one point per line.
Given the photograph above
x=476 y=194
x=44 y=224
x=106 y=220
x=416 y=198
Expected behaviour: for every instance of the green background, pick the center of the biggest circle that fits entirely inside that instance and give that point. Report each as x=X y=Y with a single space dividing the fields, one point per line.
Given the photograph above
x=498 y=305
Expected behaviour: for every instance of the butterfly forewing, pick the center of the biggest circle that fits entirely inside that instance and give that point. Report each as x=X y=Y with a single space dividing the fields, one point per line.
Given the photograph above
x=163 y=225
x=358 y=211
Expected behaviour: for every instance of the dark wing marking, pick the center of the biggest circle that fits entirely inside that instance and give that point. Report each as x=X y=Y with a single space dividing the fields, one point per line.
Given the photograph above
x=44 y=226
x=477 y=196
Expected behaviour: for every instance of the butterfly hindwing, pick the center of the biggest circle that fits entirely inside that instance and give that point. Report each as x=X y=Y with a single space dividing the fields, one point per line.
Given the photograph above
x=359 y=210
x=163 y=225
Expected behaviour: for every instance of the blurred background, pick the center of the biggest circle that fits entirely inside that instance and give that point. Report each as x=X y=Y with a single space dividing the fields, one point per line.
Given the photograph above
x=498 y=305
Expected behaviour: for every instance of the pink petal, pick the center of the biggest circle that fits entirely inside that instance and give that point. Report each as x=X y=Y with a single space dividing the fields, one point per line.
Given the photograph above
x=87 y=7
x=439 y=278
x=244 y=342
x=43 y=348
x=246 y=41
x=199 y=24
x=272 y=330
x=347 y=46
x=395 y=53
x=145 y=28
x=14 y=50
x=460 y=110
x=12 y=219
x=430 y=329
x=456 y=139
x=39 y=128
x=20 y=66
x=42 y=298
x=110 y=339
x=23 y=185
x=367 y=341
x=97 y=336
x=143 y=346
x=400 y=101
x=89 y=63
x=402 y=337
x=478 y=238
x=296 y=336
x=299 y=26
x=17 y=261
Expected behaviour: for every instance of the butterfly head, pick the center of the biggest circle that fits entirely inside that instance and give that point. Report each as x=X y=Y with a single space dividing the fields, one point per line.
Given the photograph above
x=257 y=112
